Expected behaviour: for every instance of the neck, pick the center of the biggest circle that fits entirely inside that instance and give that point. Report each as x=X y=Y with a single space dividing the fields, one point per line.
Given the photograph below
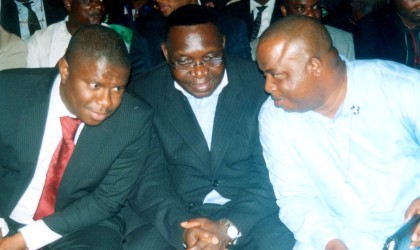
x=338 y=94
x=409 y=25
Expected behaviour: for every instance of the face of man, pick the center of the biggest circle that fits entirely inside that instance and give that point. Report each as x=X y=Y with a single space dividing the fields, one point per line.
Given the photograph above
x=311 y=8
x=290 y=76
x=92 y=90
x=167 y=6
x=201 y=48
x=83 y=12
x=409 y=10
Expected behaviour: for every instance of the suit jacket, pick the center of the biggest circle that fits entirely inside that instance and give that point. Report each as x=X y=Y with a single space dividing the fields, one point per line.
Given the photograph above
x=234 y=167
x=241 y=9
x=380 y=35
x=153 y=29
x=103 y=168
x=9 y=17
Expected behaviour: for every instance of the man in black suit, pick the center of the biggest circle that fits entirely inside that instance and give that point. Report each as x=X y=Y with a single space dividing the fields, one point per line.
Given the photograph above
x=112 y=143
x=152 y=30
x=9 y=15
x=207 y=106
x=247 y=10
x=391 y=33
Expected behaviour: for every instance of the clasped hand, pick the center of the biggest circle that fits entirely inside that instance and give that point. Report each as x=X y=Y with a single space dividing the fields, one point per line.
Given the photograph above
x=202 y=233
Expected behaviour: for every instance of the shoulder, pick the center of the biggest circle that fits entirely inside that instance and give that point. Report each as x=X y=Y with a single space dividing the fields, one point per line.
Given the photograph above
x=338 y=32
x=47 y=33
x=150 y=83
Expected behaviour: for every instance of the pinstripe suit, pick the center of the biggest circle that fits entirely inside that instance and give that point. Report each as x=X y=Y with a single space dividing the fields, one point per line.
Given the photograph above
x=234 y=167
x=105 y=164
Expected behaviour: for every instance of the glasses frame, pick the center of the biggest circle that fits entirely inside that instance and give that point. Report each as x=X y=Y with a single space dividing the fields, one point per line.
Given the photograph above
x=212 y=62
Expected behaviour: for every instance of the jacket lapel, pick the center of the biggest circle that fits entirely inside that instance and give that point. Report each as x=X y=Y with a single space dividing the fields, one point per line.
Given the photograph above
x=182 y=118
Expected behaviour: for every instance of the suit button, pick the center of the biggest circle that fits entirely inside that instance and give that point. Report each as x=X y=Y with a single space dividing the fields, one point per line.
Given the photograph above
x=215 y=183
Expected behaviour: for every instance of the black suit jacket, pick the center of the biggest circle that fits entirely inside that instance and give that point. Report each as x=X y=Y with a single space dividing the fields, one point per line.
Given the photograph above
x=9 y=17
x=241 y=9
x=103 y=168
x=152 y=32
x=234 y=166
x=380 y=35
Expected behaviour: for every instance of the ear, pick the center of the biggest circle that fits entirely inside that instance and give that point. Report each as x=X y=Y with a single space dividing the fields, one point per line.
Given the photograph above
x=283 y=10
x=63 y=68
x=223 y=41
x=314 y=66
x=67 y=4
x=165 y=52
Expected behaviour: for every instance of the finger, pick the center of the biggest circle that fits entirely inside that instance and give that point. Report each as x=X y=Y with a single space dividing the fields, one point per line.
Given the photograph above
x=193 y=235
x=415 y=238
x=413 y=209
x=190 y=224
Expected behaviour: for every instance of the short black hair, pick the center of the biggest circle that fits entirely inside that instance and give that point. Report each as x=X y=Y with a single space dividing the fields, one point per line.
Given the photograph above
x=98 y=42
x=190 y=15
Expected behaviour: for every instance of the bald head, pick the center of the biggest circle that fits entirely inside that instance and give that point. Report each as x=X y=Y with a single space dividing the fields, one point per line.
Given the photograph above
x=307 y=31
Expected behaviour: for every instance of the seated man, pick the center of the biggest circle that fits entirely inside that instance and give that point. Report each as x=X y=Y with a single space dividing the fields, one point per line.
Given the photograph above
x=44 y=201
x=391 y=33
x=206 y=106
x=340 y=138
x=47 y=46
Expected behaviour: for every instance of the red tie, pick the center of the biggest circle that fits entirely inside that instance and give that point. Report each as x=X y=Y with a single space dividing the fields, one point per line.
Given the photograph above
x=57 y=166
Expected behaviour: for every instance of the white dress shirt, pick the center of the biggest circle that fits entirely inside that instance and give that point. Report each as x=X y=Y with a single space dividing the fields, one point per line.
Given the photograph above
x=354 y=176
x=39 y=9
x=266 y=15
x=36 y=233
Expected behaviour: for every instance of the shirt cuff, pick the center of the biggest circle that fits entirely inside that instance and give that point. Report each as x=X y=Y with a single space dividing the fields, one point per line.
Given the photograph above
x=3 y=227
x=38 y=234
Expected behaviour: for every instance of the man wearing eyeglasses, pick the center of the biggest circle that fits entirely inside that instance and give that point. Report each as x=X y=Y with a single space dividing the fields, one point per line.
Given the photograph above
x=206 y=106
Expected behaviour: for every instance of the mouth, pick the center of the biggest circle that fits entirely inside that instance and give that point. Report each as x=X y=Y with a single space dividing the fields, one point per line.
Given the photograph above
x=202 y=86
x=98 y=116
x=277 y=101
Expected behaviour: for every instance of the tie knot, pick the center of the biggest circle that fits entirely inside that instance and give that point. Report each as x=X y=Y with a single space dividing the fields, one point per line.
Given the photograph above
x=69 y=126
x=261 y=8
x=27 y=4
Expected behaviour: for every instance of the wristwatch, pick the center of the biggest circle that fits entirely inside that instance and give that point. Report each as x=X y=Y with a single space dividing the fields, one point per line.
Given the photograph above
x=231 y=231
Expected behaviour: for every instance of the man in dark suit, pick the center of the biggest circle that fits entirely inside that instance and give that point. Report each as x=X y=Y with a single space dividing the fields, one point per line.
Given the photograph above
x=9 y=16
x=152 y=30
x=111 y=144
x=391 y=33
x=206 y=107
x=247 y=10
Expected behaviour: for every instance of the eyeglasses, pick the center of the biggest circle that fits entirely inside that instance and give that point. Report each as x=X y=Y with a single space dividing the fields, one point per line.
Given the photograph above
x=189 y=64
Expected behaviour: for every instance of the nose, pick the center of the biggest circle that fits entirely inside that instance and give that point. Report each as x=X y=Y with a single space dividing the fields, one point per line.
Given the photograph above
x=269 y=85
x=199 y=70
x=104 y=99
x=310 y=12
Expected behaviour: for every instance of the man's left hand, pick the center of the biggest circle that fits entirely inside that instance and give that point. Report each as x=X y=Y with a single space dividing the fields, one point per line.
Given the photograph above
x=202 y=233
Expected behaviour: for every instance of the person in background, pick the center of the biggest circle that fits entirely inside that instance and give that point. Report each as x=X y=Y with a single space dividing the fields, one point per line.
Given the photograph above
x=72 y=145
x=13 y=50
x=15 y=16
x=391 y=33
x=206 y=105
x=342 y=40
x=340 y=138
x=47 y=46
x=256 y=23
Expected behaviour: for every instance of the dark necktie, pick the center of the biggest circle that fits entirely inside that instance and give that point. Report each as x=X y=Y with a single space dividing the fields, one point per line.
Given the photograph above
x=33 y=22
x=56 y=168
x=257 y=22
